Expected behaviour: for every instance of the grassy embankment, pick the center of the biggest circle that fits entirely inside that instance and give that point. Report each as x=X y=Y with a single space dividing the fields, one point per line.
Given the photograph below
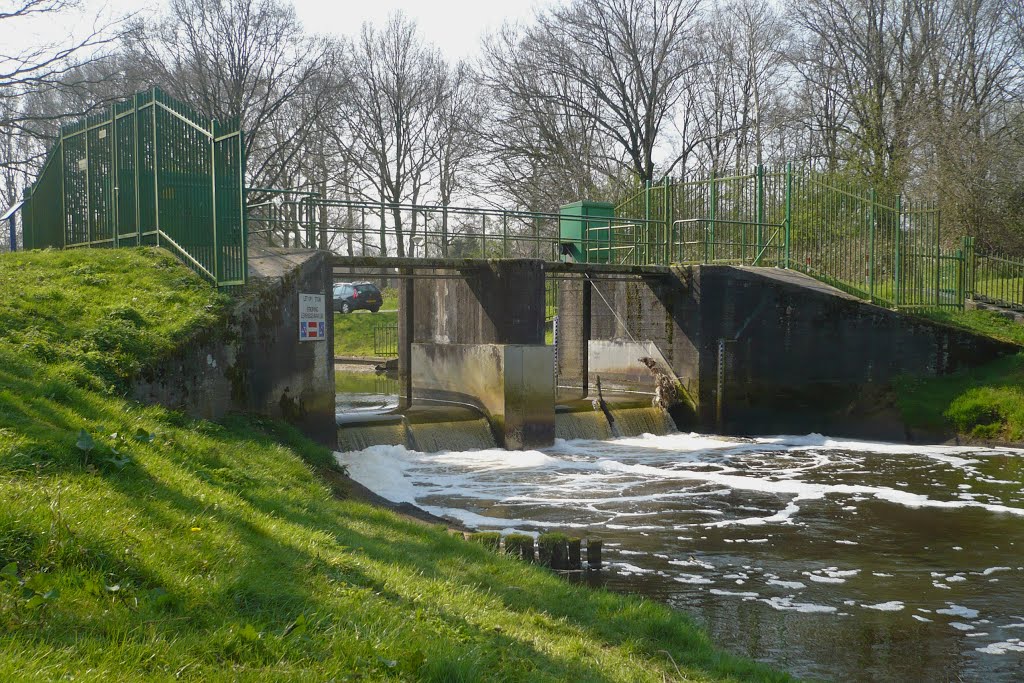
x=139 y=544
x=986 y=402
x=353 y=333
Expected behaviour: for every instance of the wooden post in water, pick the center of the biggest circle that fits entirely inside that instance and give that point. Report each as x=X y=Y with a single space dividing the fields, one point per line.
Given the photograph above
x=574 y=554
x=594 y=553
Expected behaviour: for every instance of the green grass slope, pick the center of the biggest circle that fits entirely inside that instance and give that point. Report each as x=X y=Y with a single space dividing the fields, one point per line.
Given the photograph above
x=138 y=544
x=985 y=402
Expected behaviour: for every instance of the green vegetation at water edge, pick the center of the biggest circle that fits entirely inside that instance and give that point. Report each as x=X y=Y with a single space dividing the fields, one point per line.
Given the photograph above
x=138 y=544
x=985 y=402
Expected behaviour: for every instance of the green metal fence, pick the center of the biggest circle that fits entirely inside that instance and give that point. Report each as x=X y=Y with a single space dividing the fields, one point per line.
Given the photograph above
x=359 y=228
x=149 y=171
x=994 y=279
x=881 y=249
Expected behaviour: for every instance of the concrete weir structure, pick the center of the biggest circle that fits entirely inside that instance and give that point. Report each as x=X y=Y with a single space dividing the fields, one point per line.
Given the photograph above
x=760 y=350
x=475 y=335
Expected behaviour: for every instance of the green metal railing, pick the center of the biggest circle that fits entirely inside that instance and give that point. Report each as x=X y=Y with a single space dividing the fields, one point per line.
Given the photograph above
x=883 y=250
x=385 y=340
x=149 y=171
x=303 y=219
x=994 y=279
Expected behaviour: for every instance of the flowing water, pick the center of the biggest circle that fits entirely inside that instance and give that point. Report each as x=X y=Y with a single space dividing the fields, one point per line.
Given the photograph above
x=831 y=559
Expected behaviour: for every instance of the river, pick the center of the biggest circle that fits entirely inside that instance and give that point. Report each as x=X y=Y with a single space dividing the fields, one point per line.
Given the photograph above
x=831 y=559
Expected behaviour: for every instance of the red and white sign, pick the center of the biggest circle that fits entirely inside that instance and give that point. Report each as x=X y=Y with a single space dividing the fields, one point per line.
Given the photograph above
x=312 y=317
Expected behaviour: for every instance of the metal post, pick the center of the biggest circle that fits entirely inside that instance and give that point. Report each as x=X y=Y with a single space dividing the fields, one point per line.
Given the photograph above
x=938 y=260
x=871 y=242
x=789 y=209
x=668 y=219
x=88 y=194
x=709 y=237
x=13 y=232
x=759 y=199
x=444 y=230
x=897 y=295
x=156 y=175
x=63 y=205
x=585 y=334
x=213 y=196
x=115 y=176
x=138 y=164
x=720 y=385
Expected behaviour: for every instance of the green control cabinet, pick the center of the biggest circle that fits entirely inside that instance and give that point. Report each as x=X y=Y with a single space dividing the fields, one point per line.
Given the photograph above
x=584 y=229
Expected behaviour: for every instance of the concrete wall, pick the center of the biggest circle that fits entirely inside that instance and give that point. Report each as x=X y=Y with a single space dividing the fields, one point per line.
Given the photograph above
x=501 y=302
x=512 y=384
x=475 y=334
x=658 y=309
x=256 y=362
x=797 y=353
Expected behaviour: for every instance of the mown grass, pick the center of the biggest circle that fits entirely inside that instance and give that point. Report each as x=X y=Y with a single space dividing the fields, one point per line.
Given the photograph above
x=139 y=544
x=353 y=333
x=985 y=402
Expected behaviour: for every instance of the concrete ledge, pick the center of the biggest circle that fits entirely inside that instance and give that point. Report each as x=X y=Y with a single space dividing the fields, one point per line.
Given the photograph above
x=512 y=384
x=255 y=363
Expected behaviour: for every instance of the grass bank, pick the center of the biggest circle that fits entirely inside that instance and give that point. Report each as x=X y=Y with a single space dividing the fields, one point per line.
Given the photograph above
x=138 y=544
x=982 y=403
x=353 y=333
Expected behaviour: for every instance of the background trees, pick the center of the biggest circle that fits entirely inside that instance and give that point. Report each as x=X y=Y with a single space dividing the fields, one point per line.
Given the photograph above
x=588 y=98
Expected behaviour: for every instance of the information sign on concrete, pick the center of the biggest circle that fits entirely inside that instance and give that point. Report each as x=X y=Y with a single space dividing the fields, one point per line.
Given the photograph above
x=312 y=317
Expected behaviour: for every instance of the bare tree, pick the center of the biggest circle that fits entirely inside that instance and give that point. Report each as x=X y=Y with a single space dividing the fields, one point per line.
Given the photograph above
x=879 y=50
x=390 y=111
x=624 y=65
x=540 y=152
x=245 y=59
x=38 y=73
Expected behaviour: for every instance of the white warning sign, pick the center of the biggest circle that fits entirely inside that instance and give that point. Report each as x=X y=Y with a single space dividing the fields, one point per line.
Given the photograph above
x=312 y=317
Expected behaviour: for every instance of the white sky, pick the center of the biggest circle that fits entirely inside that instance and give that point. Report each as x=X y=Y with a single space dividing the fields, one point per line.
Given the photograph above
x=454 y=26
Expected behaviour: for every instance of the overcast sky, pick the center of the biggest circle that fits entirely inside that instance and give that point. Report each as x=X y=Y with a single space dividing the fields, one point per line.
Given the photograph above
x=455 y=26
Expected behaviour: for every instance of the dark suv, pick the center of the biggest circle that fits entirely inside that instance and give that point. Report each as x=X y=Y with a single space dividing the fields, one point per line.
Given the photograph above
x=349 y=296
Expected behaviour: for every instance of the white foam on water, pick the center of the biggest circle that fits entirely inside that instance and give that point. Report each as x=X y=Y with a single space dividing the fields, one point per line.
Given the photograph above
x=692 y=562
x=845 y=542
x=992 y=570
x=792 y=585
x=824 y=579
x=787 y=605
x=959 y=626
x=626 y=569
x=1011 y=645
x=955 y=578
x=746 y=595
x=958 y=611
x=608 y=467
x=920 y=618
x=891 y=606
x=692 y=578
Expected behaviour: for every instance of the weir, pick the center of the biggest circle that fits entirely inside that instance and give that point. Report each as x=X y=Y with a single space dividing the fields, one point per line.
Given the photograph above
x=733 y=350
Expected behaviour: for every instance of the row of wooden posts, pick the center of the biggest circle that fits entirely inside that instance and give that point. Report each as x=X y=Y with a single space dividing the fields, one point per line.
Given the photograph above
x=555 y=550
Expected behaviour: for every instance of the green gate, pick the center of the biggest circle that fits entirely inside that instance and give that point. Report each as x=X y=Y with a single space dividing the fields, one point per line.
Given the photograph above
x=150 y=171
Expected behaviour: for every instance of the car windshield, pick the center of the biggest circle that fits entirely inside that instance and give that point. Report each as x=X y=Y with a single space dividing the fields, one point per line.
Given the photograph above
x=363 y=289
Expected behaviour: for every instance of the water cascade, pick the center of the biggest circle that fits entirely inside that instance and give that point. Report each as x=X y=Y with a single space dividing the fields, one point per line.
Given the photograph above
x=355 y=436
x=634 y=421
x=582 y=424
x=459 y=435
